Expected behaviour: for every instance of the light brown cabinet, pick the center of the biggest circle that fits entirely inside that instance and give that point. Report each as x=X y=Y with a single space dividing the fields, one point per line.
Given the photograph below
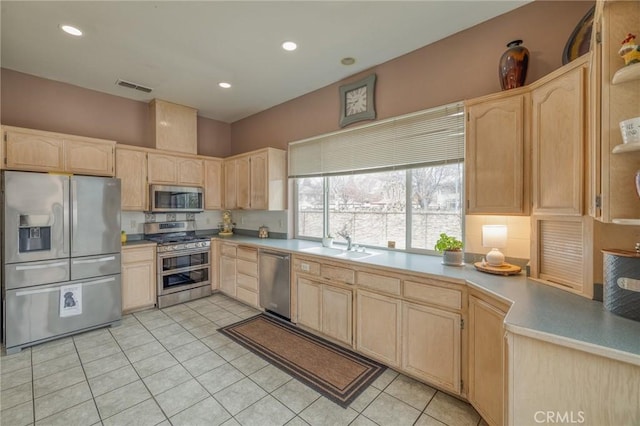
x=247 y=289
x=558 y=139
x=326 y=308
x=378 y=327
x=612 y=195
x=228 y=269
x=138 y=277
x=497 y=154
x=486 y=363
x=35 y=150
x=213 y=184
x=431 y=345
x=174 y=126
x=256 y=180
x=131 y=169
x=170 y=169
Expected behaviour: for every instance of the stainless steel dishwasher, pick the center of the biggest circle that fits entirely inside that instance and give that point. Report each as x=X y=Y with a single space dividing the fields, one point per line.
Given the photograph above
x=275 y=285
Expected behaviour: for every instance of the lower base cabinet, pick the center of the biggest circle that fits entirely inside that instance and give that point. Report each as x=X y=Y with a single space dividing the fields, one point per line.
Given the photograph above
x=431 y=345
x=378 y=327
x=138 y=277
x=326 y=308
x=228 y=276
x=486 y=359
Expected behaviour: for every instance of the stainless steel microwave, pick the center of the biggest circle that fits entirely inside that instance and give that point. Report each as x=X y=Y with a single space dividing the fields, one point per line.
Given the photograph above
x=169 y=199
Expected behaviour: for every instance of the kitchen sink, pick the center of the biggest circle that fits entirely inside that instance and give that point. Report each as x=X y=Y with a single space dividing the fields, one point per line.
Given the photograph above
x=327 y=251
x=335 y=252
x=355 y=254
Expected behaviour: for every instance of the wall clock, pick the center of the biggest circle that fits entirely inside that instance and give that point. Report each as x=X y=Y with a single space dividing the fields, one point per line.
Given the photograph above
x=357 y=101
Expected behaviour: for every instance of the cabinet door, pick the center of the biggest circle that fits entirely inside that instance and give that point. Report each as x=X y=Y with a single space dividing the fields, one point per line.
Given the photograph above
x=27 y=151
x=243 y=182
x=378 y=327
x=175 y=127
x=213 y=184
x=190 y=171
x=89 y=157
x=138 y=278
x=309 y=300
x=131 y=169
x=495 y=160
x=162 y=169
x=558 y=137
x=230 y=185
x=486 y=366
x=228 y=276
x=337 y=313
x=259 y=188
x=431 y=345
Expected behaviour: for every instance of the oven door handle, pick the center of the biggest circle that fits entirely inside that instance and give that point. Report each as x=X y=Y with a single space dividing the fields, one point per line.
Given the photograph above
x=178 y=253
x=181 y=270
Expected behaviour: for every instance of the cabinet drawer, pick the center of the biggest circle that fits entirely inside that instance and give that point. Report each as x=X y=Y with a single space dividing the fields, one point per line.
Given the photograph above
x=228 y=250
x=247 y=296
x=336 y=273
x=247 y=282
x=247 y=268
x=444 y=297
x=247 y=253
x=306 y=266
x=141 y=254
x=379 y=282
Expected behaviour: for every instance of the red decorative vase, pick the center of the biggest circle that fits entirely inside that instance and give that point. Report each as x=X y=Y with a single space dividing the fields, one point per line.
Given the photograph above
x=513 y=65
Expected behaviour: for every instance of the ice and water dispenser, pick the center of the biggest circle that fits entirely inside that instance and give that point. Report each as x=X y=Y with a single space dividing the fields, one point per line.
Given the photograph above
x=34 y=233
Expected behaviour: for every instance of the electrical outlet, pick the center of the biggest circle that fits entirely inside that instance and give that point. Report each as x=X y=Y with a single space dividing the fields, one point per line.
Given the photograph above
x=132 y=223
x=208 y=220
x=280 y=223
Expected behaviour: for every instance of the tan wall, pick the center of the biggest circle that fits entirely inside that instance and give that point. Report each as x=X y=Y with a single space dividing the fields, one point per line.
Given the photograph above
x=459 y=67
x=38 y=103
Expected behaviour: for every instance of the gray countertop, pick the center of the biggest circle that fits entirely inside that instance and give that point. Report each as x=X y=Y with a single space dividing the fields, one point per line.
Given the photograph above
x=537 y=310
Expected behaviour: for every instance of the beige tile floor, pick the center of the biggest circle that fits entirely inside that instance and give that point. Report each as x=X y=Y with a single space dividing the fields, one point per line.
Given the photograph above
x=171 y=366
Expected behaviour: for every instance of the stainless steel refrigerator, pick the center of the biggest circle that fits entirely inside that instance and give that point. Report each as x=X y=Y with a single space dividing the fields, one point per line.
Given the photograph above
x=60 y=257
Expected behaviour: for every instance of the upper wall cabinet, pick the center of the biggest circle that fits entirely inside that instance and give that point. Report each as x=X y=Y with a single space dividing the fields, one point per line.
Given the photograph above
x=558 y=136
x=497 y=154
x=131 y=169
x=171 y=169
x=40 y=151
x=174 y=127
x=256 y=180
x=213 y=183
x=612 y=195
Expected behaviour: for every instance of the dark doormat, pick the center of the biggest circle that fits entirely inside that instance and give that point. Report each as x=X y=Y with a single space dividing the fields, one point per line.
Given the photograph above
x=337 y=373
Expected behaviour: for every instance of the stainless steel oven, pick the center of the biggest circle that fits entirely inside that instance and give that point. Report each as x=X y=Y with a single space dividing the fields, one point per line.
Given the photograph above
x=184 y=262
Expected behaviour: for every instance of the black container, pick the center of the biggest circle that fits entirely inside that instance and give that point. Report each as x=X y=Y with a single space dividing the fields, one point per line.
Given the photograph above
x=622 y=283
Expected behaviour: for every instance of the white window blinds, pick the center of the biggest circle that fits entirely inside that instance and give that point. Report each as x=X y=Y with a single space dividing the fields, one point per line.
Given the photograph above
x=427 y=137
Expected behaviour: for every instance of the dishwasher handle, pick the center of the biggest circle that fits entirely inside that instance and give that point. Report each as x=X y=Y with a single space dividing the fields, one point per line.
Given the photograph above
x=278 y=255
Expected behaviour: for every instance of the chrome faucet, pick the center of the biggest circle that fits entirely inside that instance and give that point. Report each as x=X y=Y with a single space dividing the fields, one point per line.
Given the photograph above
x=345 y=234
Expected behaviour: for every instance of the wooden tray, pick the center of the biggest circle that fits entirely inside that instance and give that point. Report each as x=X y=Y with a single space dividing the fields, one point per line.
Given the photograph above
x=504 y=269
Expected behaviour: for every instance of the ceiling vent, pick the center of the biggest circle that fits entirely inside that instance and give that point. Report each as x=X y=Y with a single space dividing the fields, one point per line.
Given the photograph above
x=131 y=85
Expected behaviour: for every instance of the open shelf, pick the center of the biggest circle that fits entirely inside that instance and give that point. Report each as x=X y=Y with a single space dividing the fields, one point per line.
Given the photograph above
x=626 y=147
x=626 y=221
x=627 y=73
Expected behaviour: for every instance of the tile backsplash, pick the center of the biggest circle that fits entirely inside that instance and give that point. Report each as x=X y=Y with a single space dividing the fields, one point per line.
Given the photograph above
x=132 y=222
x=518 y=234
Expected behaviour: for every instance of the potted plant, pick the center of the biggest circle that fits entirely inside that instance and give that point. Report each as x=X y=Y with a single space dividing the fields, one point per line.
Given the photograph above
x=451 y=249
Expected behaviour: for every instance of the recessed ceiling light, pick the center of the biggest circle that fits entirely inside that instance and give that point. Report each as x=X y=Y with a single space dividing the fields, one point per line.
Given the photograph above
x=347 y=61
x=71 y=30
x=289 y=46
x=224 y=85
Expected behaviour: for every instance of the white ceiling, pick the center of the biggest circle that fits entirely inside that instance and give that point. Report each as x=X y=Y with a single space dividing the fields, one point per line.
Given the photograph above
x=182 y=49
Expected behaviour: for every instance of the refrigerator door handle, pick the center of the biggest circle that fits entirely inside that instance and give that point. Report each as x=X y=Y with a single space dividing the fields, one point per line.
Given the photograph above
x=102 y=259
x=32 y=267
x=74 y=214
x=65 y=219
